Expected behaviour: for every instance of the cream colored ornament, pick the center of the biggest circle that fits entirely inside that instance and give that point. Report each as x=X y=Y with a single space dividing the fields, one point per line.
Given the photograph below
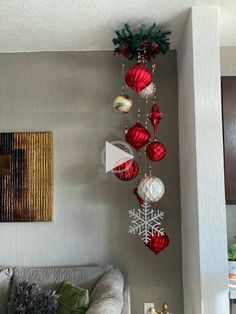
x=151 y=189
x=122 y=104
x=148 y=91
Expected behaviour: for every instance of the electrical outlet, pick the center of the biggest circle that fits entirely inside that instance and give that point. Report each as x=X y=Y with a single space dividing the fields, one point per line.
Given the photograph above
x=147 y=307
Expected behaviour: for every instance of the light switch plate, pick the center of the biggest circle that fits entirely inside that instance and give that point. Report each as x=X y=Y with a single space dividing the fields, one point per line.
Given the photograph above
x=147 y=307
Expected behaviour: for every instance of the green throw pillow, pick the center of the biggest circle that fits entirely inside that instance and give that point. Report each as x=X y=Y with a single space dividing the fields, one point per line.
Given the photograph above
x=72 y=299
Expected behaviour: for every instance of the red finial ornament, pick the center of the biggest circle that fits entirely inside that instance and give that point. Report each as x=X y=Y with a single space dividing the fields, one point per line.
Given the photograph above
x=138 y=77
x=155 y=117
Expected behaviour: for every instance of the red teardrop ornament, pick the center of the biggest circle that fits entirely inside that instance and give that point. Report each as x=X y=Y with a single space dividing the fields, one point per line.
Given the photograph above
x=155 y=117
x=155 y=151
x=138 y=77
x=140 y=200
x=127 y=171
x=137 y=136
x=158 y=243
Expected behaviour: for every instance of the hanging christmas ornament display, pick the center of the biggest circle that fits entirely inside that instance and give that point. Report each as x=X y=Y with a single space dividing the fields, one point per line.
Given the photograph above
x=127 y=171
x=122 y=104
x=151 y=189
x=155 y=151
x=146 y=222
x=155 y=117
x=158 y=243
x=141 y=47
x=137 y=136
x=148 y=91
x=138 y=77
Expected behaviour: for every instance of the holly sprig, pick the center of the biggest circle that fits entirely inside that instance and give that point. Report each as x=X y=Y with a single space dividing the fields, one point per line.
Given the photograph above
x=147 y=43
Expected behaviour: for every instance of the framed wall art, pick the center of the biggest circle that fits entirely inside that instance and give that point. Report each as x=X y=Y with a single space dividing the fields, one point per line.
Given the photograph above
x=26 y=176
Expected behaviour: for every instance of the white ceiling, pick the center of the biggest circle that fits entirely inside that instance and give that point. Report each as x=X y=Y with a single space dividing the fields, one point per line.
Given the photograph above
x=49 y=25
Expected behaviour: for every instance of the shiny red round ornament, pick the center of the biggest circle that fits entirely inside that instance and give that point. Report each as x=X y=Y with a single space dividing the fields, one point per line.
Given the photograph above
x=155 y=151
x=138 y=77
x=137 y=136
x=158 y=243
x=127 y=171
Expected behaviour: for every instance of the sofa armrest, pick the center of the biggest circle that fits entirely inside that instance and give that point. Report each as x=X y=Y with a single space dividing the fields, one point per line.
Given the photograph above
x=126 y=295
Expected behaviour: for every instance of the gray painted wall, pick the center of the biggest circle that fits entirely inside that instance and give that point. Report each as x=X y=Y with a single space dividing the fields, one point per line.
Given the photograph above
x=228 y=68
x=71 y=94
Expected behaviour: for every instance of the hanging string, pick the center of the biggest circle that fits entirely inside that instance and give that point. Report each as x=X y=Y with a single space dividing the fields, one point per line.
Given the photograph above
x=138 y=115
x=143 y=58
x=146 y=113
x=138 y=120
x=139 y=152
x=139 y=58
x=146 y=126
x=150 y=170
x=154 y=68
x=123 y=83
x=123 y=89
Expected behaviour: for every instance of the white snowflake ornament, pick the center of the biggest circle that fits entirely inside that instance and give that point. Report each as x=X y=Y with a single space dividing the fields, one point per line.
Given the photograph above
x=146 y=222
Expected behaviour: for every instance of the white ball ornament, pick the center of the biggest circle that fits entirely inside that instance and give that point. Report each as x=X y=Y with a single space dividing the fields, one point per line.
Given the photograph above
x=151 y=189
x=122 y=104
x=148 y=91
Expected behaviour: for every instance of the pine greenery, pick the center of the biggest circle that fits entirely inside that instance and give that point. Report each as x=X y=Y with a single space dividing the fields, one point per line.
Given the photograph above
x=146 y=42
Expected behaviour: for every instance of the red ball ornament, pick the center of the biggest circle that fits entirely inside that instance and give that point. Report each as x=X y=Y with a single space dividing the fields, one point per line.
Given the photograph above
x=138 y=77
x=127 y=171
x=155 y=151
x=158 y=243
x=137 y=136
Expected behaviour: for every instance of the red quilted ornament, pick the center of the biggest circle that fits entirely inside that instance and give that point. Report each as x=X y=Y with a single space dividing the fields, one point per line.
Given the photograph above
x=155 y=117
x=138 y=77
x=127 y=171
x=140 y=200
x=155 y=151
x=137 y=136
x=158 y=243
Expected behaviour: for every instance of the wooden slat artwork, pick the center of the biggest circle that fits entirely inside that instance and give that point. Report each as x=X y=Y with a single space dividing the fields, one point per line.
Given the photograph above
x=5 y=164
x=26 y=176
x=229 y=124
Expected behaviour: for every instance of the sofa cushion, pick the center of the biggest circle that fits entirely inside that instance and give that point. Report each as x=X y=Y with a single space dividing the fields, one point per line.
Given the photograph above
x=72 y=299
x=107 y=296
x=5 y=285
x=30 y=298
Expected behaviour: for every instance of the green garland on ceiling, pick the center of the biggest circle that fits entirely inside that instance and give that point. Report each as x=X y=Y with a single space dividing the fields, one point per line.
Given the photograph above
x=146 y=42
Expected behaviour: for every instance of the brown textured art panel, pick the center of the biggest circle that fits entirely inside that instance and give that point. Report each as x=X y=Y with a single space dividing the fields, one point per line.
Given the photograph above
x=26 y=176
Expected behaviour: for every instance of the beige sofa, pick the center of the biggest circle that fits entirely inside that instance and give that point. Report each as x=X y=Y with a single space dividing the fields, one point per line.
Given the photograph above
x=52 y=277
